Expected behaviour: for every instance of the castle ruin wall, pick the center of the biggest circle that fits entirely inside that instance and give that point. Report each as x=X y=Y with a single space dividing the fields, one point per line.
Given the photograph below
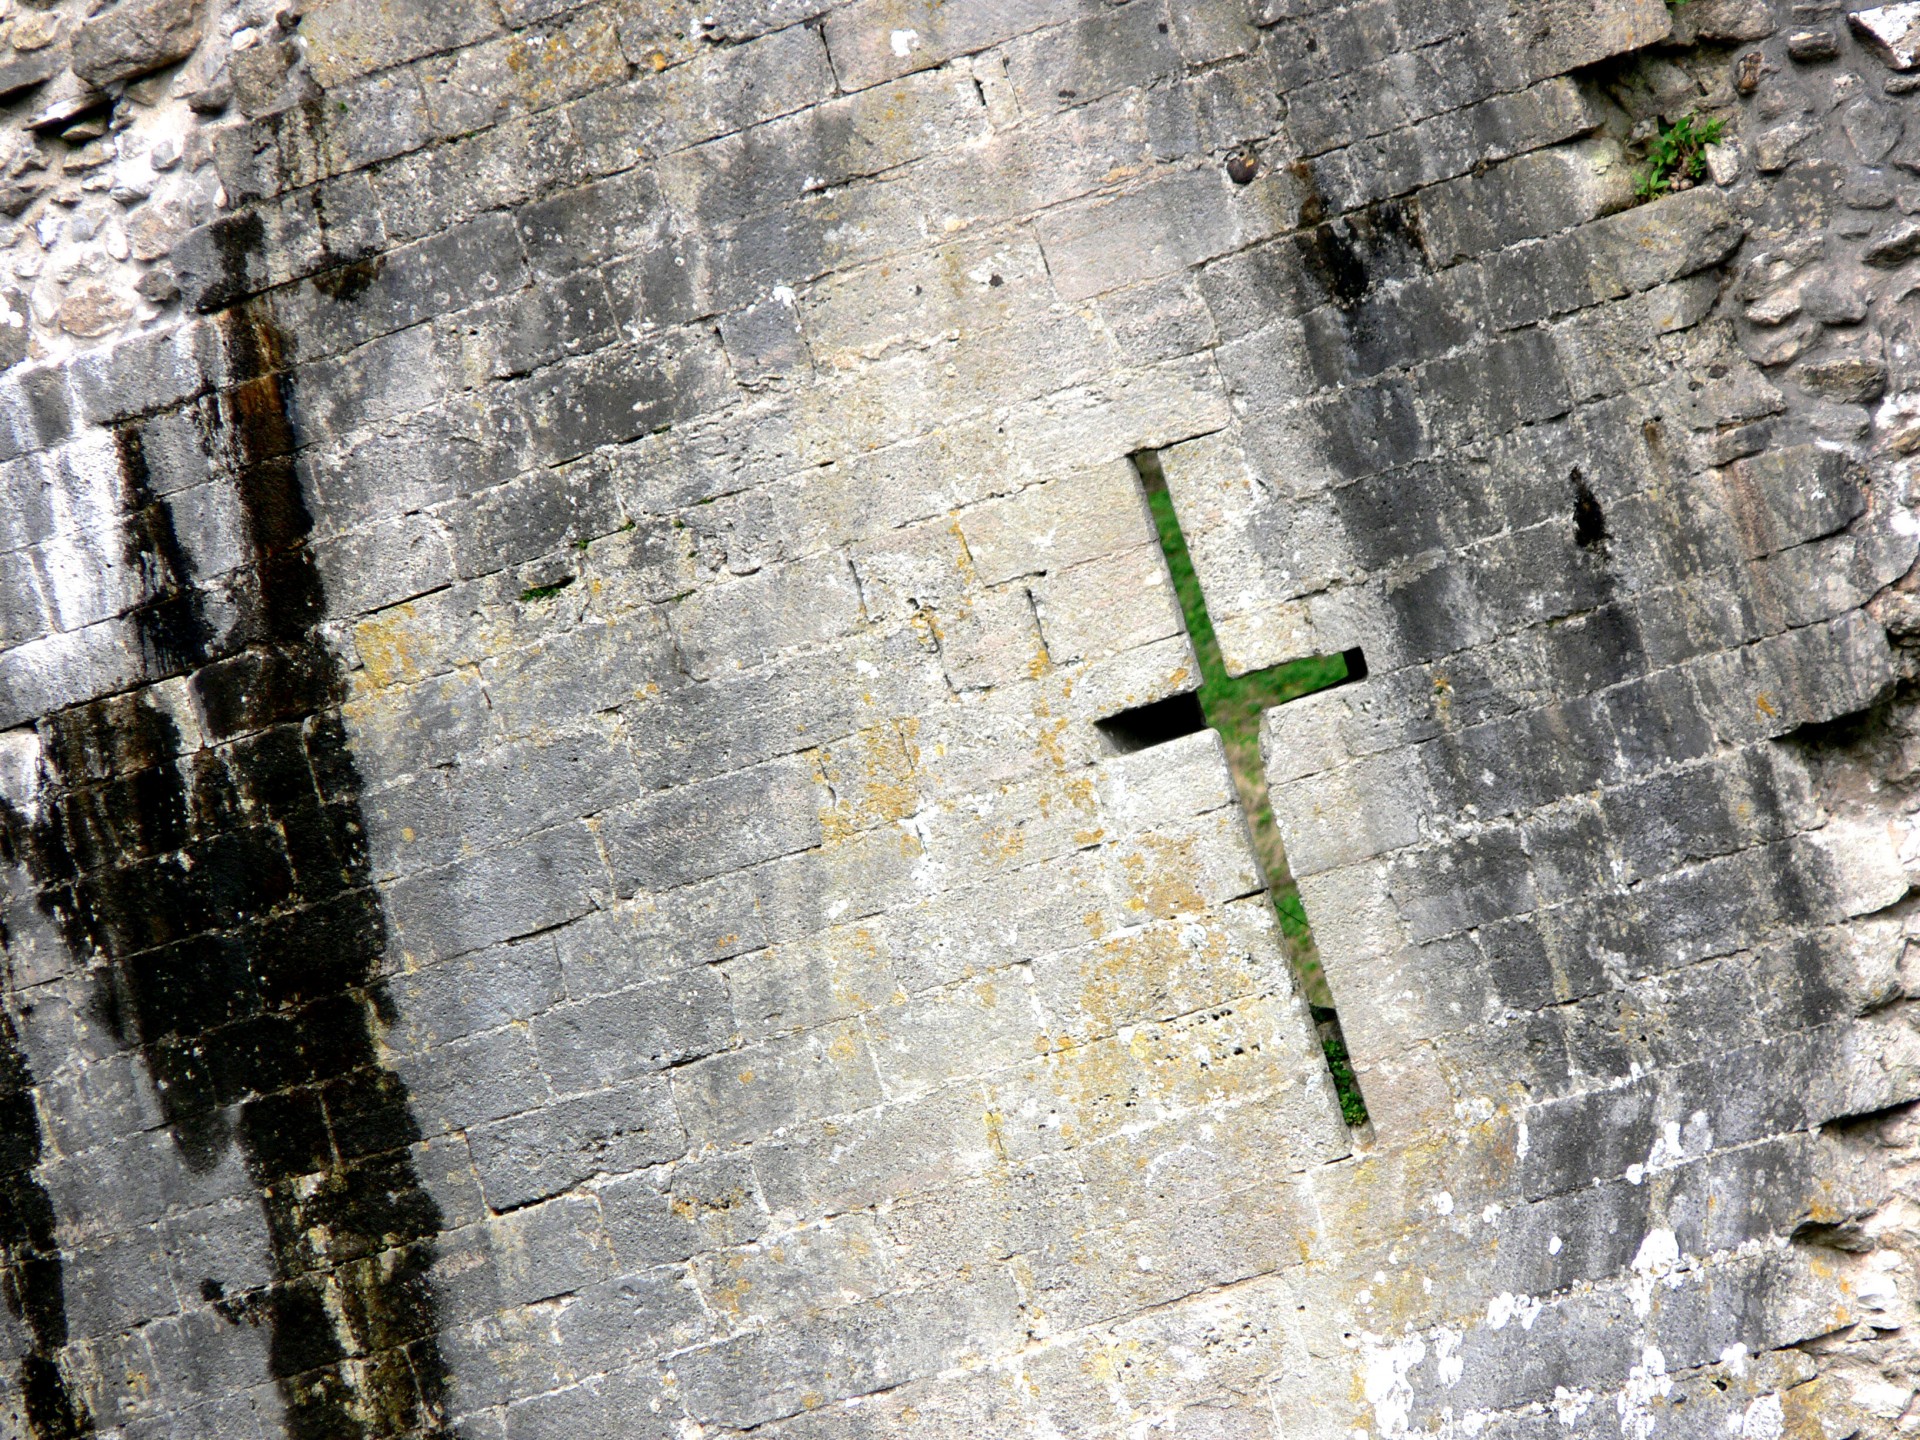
x=572 y=577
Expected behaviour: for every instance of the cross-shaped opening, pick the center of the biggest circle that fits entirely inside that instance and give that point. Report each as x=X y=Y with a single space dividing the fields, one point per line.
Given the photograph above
x=1233 y=706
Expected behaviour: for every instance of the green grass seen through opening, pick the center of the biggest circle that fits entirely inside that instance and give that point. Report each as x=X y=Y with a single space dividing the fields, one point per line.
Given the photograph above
x=1233 y=706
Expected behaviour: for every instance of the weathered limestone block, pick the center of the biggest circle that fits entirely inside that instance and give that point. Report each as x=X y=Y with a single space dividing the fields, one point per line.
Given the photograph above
x=133 y=37
x=348 y=38
x=876 y=40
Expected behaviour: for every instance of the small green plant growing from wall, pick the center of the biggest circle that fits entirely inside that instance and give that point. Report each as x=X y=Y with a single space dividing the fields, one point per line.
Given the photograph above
x=1677 y=158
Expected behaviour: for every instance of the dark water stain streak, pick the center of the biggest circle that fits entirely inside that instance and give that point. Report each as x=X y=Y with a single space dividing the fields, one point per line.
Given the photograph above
x=222 y=896
x=32 y=1273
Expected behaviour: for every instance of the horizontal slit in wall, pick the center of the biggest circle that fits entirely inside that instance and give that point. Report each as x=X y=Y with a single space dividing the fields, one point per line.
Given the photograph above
x=1145 y=726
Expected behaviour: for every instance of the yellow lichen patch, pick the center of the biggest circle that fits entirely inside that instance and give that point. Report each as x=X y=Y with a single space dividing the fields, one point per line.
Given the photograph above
x=393 y=650
x=1158 y=875
x=1807 y=1412
x=1160 y=1070
x=1159 y=970
x=694 y=1207
x=927 y=626
x=731 y=1297
x=1073 y=791
x=1104 y=1363
x=1047 y=738
x=851 y=954
x=996 y=1125
x=870 y=777
x=1003 y=844
x=963 y=562
x=550 y=68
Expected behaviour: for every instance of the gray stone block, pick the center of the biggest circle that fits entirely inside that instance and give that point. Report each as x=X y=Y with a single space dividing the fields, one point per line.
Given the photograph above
x=585 y=1044
x=385 y=380
x=724 y=89
x=529 y=785
x=768 y=1088
x=146 y=374
x=386 y=564
x=870 y=42
x=628 y=1403
x=531 y=516
x=479 y=85
x=468 y=1082
x=615 y=395
x=479 y=991
x=498 y=895
x=370 y=298
x=654 y=935
x=584 y=670
x=609 y=1322
x=549 y=1249
x=1108 y=242
x=745 y=1381
x=529 y=329
x=798 y=1273
x=978 y=1405
x=428 y=190
x=541 y=1153
x=119 y=1285
x=1091 y=57
x=1788 y=496
x=437 y=455
x=36 y=411
x=647 y=1227
x=867 y=133
x=724 y=628
x=343 y=43
x=610 y=219
x=706 y=828
x=897 y=1150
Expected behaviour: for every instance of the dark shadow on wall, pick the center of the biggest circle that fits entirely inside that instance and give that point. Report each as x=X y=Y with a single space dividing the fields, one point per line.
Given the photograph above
x=223 y=897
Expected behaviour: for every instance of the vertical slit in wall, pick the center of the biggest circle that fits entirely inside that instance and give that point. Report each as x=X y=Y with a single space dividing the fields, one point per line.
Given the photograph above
x=1234 y=705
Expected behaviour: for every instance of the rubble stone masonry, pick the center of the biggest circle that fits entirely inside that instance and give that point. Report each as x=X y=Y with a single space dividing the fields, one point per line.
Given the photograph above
x=562 y=567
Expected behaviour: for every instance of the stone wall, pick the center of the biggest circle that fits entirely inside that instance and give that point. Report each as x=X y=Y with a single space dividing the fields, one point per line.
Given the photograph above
x=560 y=570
